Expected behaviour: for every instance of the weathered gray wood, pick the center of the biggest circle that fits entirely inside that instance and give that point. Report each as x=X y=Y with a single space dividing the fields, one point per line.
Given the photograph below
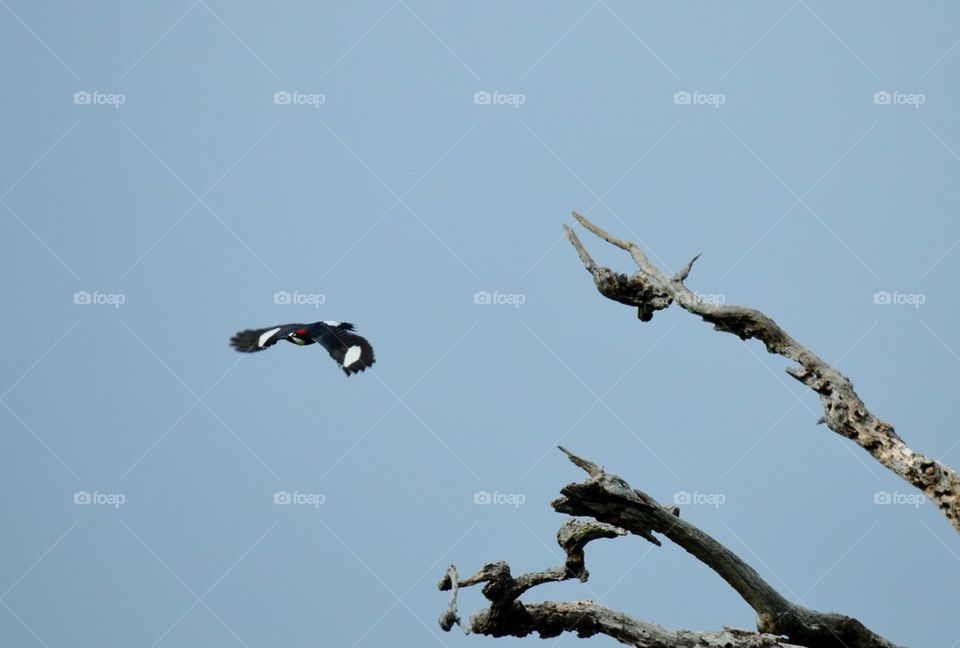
x=650 y=290
x=618 y=509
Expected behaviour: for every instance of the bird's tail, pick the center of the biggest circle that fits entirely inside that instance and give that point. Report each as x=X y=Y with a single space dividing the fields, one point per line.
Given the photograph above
x=248 y=341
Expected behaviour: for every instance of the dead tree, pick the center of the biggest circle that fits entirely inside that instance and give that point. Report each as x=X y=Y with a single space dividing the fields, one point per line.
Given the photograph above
x=614 y=508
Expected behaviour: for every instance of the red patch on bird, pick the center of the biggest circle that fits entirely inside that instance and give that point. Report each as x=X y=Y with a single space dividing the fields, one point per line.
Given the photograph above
x=301 y=331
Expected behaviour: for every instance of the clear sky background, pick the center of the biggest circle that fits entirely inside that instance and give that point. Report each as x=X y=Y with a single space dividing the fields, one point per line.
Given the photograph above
x=383 y=190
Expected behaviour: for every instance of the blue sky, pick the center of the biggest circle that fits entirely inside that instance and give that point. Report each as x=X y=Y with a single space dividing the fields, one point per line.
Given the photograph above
x=176 y=172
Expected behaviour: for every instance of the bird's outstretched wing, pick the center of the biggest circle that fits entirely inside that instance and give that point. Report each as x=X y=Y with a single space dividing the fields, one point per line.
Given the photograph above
x=352 y=352
x=252 y=340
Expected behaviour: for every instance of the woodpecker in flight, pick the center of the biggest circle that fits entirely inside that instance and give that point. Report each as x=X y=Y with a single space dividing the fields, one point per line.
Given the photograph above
x=352 y=352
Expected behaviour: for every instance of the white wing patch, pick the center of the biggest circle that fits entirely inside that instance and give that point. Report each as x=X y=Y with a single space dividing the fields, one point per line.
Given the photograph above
x=333 y=324
x=266 y=335
x=352 y=355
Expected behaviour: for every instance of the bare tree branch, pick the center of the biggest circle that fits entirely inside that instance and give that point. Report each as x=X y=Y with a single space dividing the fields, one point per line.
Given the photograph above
x=506 y=616
x=610 y=499
x=618 y=509
x=650 y=290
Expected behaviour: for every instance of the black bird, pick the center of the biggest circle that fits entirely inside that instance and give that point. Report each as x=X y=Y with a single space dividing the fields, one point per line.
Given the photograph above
x=352 y=352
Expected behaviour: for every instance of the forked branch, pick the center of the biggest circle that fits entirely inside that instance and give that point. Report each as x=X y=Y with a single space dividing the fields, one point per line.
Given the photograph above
x=618 y=509
x=649 y=290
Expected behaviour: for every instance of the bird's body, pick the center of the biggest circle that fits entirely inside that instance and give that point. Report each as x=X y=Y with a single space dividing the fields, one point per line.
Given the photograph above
x=352 y=352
